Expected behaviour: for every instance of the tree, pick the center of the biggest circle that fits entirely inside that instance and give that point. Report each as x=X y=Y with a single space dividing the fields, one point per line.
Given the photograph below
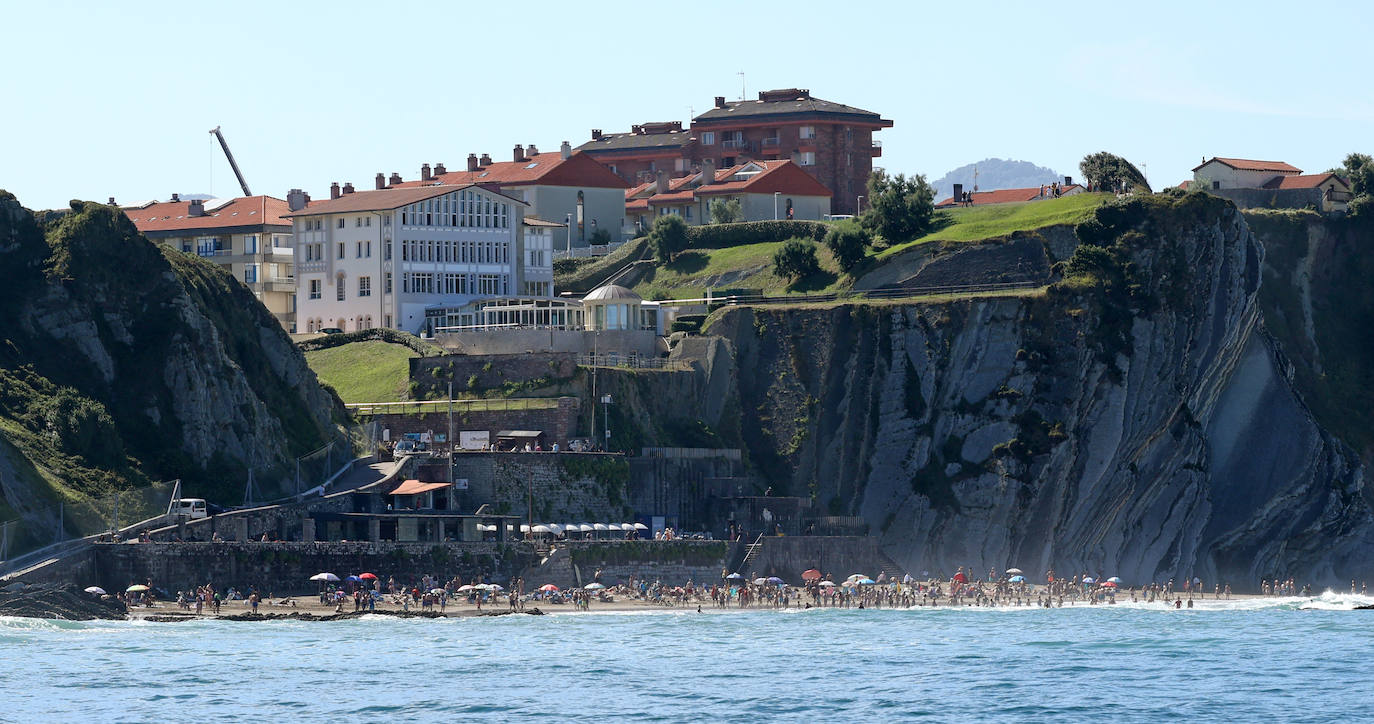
x=1110 y=172
x=668 y=237
x=600 y=237
x=848 y=242
x=795 y=259
x=1358 y=171
x=726 y=212
x=900 y=209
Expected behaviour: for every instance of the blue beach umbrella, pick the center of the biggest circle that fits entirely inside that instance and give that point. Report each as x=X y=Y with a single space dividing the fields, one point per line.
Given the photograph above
x=1017 y=579
x=1089 y=579
x=735 y=577
x=866 y=581
x=1113 y=579
x=355 y=579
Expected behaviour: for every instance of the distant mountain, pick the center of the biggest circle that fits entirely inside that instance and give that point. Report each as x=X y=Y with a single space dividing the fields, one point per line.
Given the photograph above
x=995 y=173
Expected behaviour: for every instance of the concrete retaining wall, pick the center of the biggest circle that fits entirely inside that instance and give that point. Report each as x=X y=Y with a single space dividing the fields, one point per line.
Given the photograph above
x=558 y=424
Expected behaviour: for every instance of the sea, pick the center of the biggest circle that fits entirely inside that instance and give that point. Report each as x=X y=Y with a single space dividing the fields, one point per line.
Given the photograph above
x=1309 y=659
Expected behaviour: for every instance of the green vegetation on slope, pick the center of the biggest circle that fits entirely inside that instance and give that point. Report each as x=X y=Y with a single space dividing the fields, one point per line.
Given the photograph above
x=749 y=266
x=975 y=223
x=370 y=371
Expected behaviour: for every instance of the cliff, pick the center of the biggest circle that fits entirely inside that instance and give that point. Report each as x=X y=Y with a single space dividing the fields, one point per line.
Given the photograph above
x=1135 y=419
x=123 y=362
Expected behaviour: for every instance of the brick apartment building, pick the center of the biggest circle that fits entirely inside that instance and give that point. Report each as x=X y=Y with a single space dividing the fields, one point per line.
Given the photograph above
x=832 y=141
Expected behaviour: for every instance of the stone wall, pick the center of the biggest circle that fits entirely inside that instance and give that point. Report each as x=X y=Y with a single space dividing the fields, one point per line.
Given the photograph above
x=470 y=373
x=566 y=487
x=558 y=423
x=285 y=568
x=1272 y=198
x=522 y=341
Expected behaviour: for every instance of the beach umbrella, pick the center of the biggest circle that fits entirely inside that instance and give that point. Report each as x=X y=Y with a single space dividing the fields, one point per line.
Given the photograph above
x=494 y=587
x=367 y=577
x=641 y=526
x=811 y=574
x=601 y=526
x=548 y=587
x=857 y=576
x=1089 y=579
x=760 y=581
x=96 y=590
x=540 y=529
x=1113 y=579
x=827 y=584
x=1109 y=584
x=960 y=577
x=627 y=526
x=324 y=577
x=593 y=587
x=735 y=577
x=465 y=588
x=1017 y=579
x=1015 y=571
x=866 y=581
x=524 y=528
x=555 y=528
x=774 y=580
x=136 y=588
x=585 y=527
x=354 y=579
x=438 y=591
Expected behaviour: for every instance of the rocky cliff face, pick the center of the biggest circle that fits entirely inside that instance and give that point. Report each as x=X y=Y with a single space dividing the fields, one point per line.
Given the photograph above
x=122 y=362
x=1136 y=420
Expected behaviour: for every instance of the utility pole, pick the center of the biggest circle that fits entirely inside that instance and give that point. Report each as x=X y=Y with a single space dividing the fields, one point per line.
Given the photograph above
x=595 y=336
x=450 y=431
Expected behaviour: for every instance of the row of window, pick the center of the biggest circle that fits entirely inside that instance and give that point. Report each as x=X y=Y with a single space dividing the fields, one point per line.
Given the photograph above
x=449 y=283
x=736 y=138
x=455 y=252
x=362 y=321
x=469 y=209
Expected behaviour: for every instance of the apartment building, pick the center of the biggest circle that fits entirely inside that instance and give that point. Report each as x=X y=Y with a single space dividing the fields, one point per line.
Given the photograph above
x=765 y=190
x=832 y=141
x=248 y=236
x=381 y=258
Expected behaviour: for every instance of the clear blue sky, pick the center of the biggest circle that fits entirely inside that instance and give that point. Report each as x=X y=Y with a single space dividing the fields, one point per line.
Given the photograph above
x=115 y=99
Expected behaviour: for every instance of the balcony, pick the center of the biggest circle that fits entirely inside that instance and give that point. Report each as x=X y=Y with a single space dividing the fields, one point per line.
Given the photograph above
x=877 y=149
x=773 y=142
x=735 y=143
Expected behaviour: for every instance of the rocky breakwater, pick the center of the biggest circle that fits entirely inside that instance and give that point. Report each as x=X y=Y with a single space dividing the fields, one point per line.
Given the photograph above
x=68 y=603
x=1134 y=420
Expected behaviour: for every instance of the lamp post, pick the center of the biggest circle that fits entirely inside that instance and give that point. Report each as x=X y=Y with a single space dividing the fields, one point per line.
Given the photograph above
x=776 y=194
x=569 y=229
x=606 y=419
x=858 y=205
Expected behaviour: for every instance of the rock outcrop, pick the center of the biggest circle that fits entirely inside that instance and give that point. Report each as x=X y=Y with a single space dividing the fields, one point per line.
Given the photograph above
x=1135 y=420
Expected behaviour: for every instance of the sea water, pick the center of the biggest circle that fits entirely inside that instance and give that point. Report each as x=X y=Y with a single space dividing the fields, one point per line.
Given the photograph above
x=1253 y=660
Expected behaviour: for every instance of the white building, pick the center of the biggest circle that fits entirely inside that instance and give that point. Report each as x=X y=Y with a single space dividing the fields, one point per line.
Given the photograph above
x=1240 y=173
x=381 y=258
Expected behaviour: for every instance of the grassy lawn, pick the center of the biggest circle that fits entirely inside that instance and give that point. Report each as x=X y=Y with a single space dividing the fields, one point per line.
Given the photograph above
x=974 y=223
x=752 y=266
x=371 y=371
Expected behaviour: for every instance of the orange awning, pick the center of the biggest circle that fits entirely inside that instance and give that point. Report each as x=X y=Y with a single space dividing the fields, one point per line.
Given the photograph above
x=412 y=487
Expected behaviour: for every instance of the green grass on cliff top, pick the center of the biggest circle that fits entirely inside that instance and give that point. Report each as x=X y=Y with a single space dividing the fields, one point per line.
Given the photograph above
x=748 y=266
x=975 y=223
x=370 y=371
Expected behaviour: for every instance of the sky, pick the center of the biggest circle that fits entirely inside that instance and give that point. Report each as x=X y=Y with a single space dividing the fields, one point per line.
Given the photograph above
x=116 y=99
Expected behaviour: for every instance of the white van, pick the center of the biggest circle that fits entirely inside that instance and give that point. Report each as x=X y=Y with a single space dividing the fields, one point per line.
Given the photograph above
x=192 y=508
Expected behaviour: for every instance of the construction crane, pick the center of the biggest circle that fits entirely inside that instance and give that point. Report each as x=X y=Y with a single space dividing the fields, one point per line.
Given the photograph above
x=232 y=164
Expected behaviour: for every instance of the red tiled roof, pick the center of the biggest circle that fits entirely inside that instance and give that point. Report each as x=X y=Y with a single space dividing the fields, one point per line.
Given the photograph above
x=382 y=200
x=1309 y=181
x=243 y=211
x=1246 y=164
x=545 y=169
x=1005 y=196
x=782 y=177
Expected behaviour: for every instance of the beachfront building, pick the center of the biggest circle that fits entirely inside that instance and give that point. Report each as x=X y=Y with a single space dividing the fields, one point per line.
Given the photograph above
x=832 y=141
x=1010 y=196
x=383 y=258
x=560 y=186
x=248 y=236
x=1251 y=183
x=765 y=190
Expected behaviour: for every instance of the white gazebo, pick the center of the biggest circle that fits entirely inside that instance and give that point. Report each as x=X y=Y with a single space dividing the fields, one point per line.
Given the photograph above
x=612 y=307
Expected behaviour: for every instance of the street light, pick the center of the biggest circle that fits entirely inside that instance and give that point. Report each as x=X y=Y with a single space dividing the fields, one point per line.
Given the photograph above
x=606 y=417
x=776 y=194
x=569 y=229
x=858 y=205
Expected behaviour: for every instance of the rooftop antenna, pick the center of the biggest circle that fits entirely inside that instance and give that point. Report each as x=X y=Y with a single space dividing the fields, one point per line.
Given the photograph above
x=741 y=84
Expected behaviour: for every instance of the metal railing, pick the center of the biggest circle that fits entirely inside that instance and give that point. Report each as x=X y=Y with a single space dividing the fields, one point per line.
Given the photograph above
x=893 y=292
x=631 y=362
x=421 y=407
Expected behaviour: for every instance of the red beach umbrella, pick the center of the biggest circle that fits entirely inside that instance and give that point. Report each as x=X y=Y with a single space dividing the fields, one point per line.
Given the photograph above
x=548 y=587
x=960 y=577
x=367 y=577
x=811 y=575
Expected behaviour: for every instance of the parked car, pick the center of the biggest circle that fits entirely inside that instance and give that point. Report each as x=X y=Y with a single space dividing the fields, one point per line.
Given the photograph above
x=409 y=447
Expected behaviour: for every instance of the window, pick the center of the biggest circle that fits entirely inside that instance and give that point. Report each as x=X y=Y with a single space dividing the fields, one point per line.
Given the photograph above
x=807 y=132
x=339 y=292
x=386 y=221
x=386 y=289
x=250 y=274
x=368 y=222
x=386 y=320
x=364 y=286
x=367 y=249
x=358 y=250
x=708 y=138
x=314 y=288
x=386 y=250
x=341 y=251
x=341 y=222
x=250 y=244
x=808 y=158
x=849 y=135
x=358 y=222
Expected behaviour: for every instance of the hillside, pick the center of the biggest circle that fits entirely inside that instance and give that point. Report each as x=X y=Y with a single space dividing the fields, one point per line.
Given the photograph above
x=123 y=362
x=368 y=371
x=995 y=173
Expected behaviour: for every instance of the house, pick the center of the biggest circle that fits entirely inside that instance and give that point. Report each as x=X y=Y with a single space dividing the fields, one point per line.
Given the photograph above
x=382 y=258
x=833 y=142
x=1275 y=184
x=1010 y=196
x=558 y=186
x=248 y=236
x=766 y=190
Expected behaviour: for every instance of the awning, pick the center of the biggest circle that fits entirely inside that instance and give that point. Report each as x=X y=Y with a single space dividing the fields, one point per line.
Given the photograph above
x=412 y=487
x=531 y=434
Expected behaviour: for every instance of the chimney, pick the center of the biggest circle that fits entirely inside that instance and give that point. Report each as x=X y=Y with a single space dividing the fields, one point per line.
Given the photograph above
x=519 y=153
x=176 y=198
x=472 y=162
x=395 y=178
x=958 y=191
x=708 y=171
x=197 y=208
x=1068 y=180
x=334 y=190
x=112 y=203
x=439 y=169
x=296 y=199
x=424 y=172
x=596 y=134
x=381 y=180
x=484 y=161
x=662 y=183
x=348 y=187
x=565 y=150
x=720 y=101
x=531 y=152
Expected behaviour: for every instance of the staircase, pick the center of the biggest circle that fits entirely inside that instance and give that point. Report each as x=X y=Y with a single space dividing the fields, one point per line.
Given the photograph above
x=889 y=566
x=751 y=552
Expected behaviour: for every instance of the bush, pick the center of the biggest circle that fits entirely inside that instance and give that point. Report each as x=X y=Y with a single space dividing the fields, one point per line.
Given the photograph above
x=669 y=237
x=688 y=323
x=600 y=237
x=726 y=212
x=384 y=334
x=721 y=236
x=796 y=259
x=900 y=209
x=848 y=242
x=564 y=267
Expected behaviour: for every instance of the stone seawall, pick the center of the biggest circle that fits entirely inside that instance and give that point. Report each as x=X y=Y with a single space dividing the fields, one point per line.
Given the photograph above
x=286 y=568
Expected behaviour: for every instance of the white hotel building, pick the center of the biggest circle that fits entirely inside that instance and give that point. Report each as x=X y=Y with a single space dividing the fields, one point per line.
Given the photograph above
x=381 y=258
